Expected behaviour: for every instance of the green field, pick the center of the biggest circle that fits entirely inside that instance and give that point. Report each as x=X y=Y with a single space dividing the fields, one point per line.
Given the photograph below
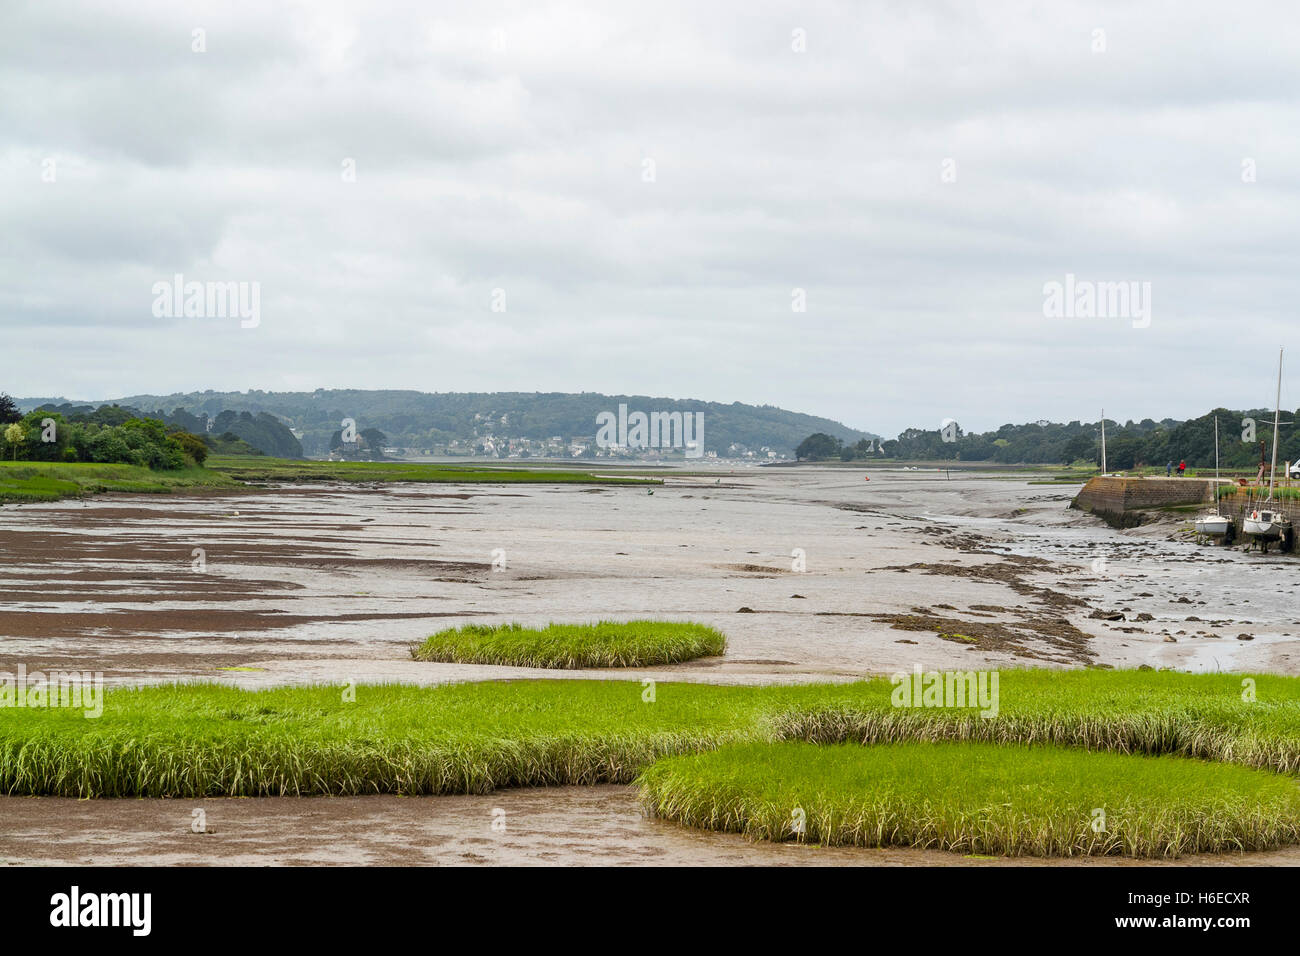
x=258 y=469
x=604 y=644
x=48 y=481
x=976 y=798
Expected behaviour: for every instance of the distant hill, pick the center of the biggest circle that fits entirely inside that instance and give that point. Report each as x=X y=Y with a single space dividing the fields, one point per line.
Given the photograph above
x=427 y=421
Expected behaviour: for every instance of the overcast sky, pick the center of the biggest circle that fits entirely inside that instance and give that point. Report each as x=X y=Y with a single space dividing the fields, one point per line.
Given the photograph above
x=648 y=184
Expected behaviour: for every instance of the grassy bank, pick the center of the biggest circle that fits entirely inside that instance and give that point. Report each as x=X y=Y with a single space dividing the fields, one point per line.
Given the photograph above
x=976 y=798
x=1151 y=712
x=1259 y=492
x=208 y=740
x=212 y=740
x=258 y=469
x=605 y=644
x=47 y=481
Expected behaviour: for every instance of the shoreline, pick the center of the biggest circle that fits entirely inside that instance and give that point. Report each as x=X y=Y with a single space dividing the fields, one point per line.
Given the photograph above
x=600 y=825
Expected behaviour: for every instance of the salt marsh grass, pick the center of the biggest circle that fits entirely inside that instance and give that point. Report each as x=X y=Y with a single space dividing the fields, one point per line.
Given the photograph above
x=211 y=740
x=604 y=644
x=46 y=481
x=1251 y=720
x=257 y=469
x=976 y=798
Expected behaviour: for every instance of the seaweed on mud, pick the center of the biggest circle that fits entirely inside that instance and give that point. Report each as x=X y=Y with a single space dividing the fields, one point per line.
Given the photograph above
x=1023 y=637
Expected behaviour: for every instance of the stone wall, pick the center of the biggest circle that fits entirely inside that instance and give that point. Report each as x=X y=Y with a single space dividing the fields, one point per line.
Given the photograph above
x=1121 y=501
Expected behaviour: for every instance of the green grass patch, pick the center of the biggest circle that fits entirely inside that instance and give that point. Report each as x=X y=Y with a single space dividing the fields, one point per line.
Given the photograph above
x=49 y=481
x=214 y=740
x=1066 y=478
x=1259 y=492
x=211 y=739
x=1206 y=716
x=258 y=469
x=604 y=644
x=36 y=488
x=976 y=798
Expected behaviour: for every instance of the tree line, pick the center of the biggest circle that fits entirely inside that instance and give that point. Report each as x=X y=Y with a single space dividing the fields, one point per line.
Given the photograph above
x=117 y=434
x=108 y=435
x=1243 y=437
x=227 y=433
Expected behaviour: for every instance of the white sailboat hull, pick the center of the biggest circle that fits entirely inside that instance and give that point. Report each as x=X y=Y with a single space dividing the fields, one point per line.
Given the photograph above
x=1265 y=525
x=1213 y=525
x=1266 y=522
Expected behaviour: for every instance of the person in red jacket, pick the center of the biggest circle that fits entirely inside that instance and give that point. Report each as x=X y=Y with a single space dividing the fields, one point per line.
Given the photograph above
x=1182 y=467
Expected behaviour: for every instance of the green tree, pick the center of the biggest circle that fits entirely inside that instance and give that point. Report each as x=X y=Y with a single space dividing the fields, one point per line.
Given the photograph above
x=193 y=446
x=48 y=434
x=818 y=447
x=1081 y=448
x=8 y=410
x=375 y=441
x=15 y=437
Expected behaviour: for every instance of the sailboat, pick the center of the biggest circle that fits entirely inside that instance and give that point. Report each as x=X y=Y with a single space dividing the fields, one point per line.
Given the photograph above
x=1213 y=524
x=1268 y=521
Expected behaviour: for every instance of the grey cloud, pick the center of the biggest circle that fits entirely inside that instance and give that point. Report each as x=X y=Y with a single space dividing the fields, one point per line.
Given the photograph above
x=518 y=165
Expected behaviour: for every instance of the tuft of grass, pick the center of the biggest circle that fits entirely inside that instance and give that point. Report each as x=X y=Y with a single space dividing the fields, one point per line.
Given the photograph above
x=604 y=644
x=976 y=798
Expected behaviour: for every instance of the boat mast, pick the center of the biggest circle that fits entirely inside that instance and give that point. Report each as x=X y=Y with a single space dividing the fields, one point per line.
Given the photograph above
x=1216 y=457
x=1103 y=440
x=1277 y=414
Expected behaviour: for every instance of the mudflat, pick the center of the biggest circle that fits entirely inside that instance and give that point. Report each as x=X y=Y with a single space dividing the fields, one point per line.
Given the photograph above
x=333 y=583
x=812 y=574
x=571 y=826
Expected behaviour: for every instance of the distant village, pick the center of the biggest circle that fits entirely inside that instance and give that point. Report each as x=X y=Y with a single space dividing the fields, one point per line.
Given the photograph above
x=557 y=446
x=487 y=443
